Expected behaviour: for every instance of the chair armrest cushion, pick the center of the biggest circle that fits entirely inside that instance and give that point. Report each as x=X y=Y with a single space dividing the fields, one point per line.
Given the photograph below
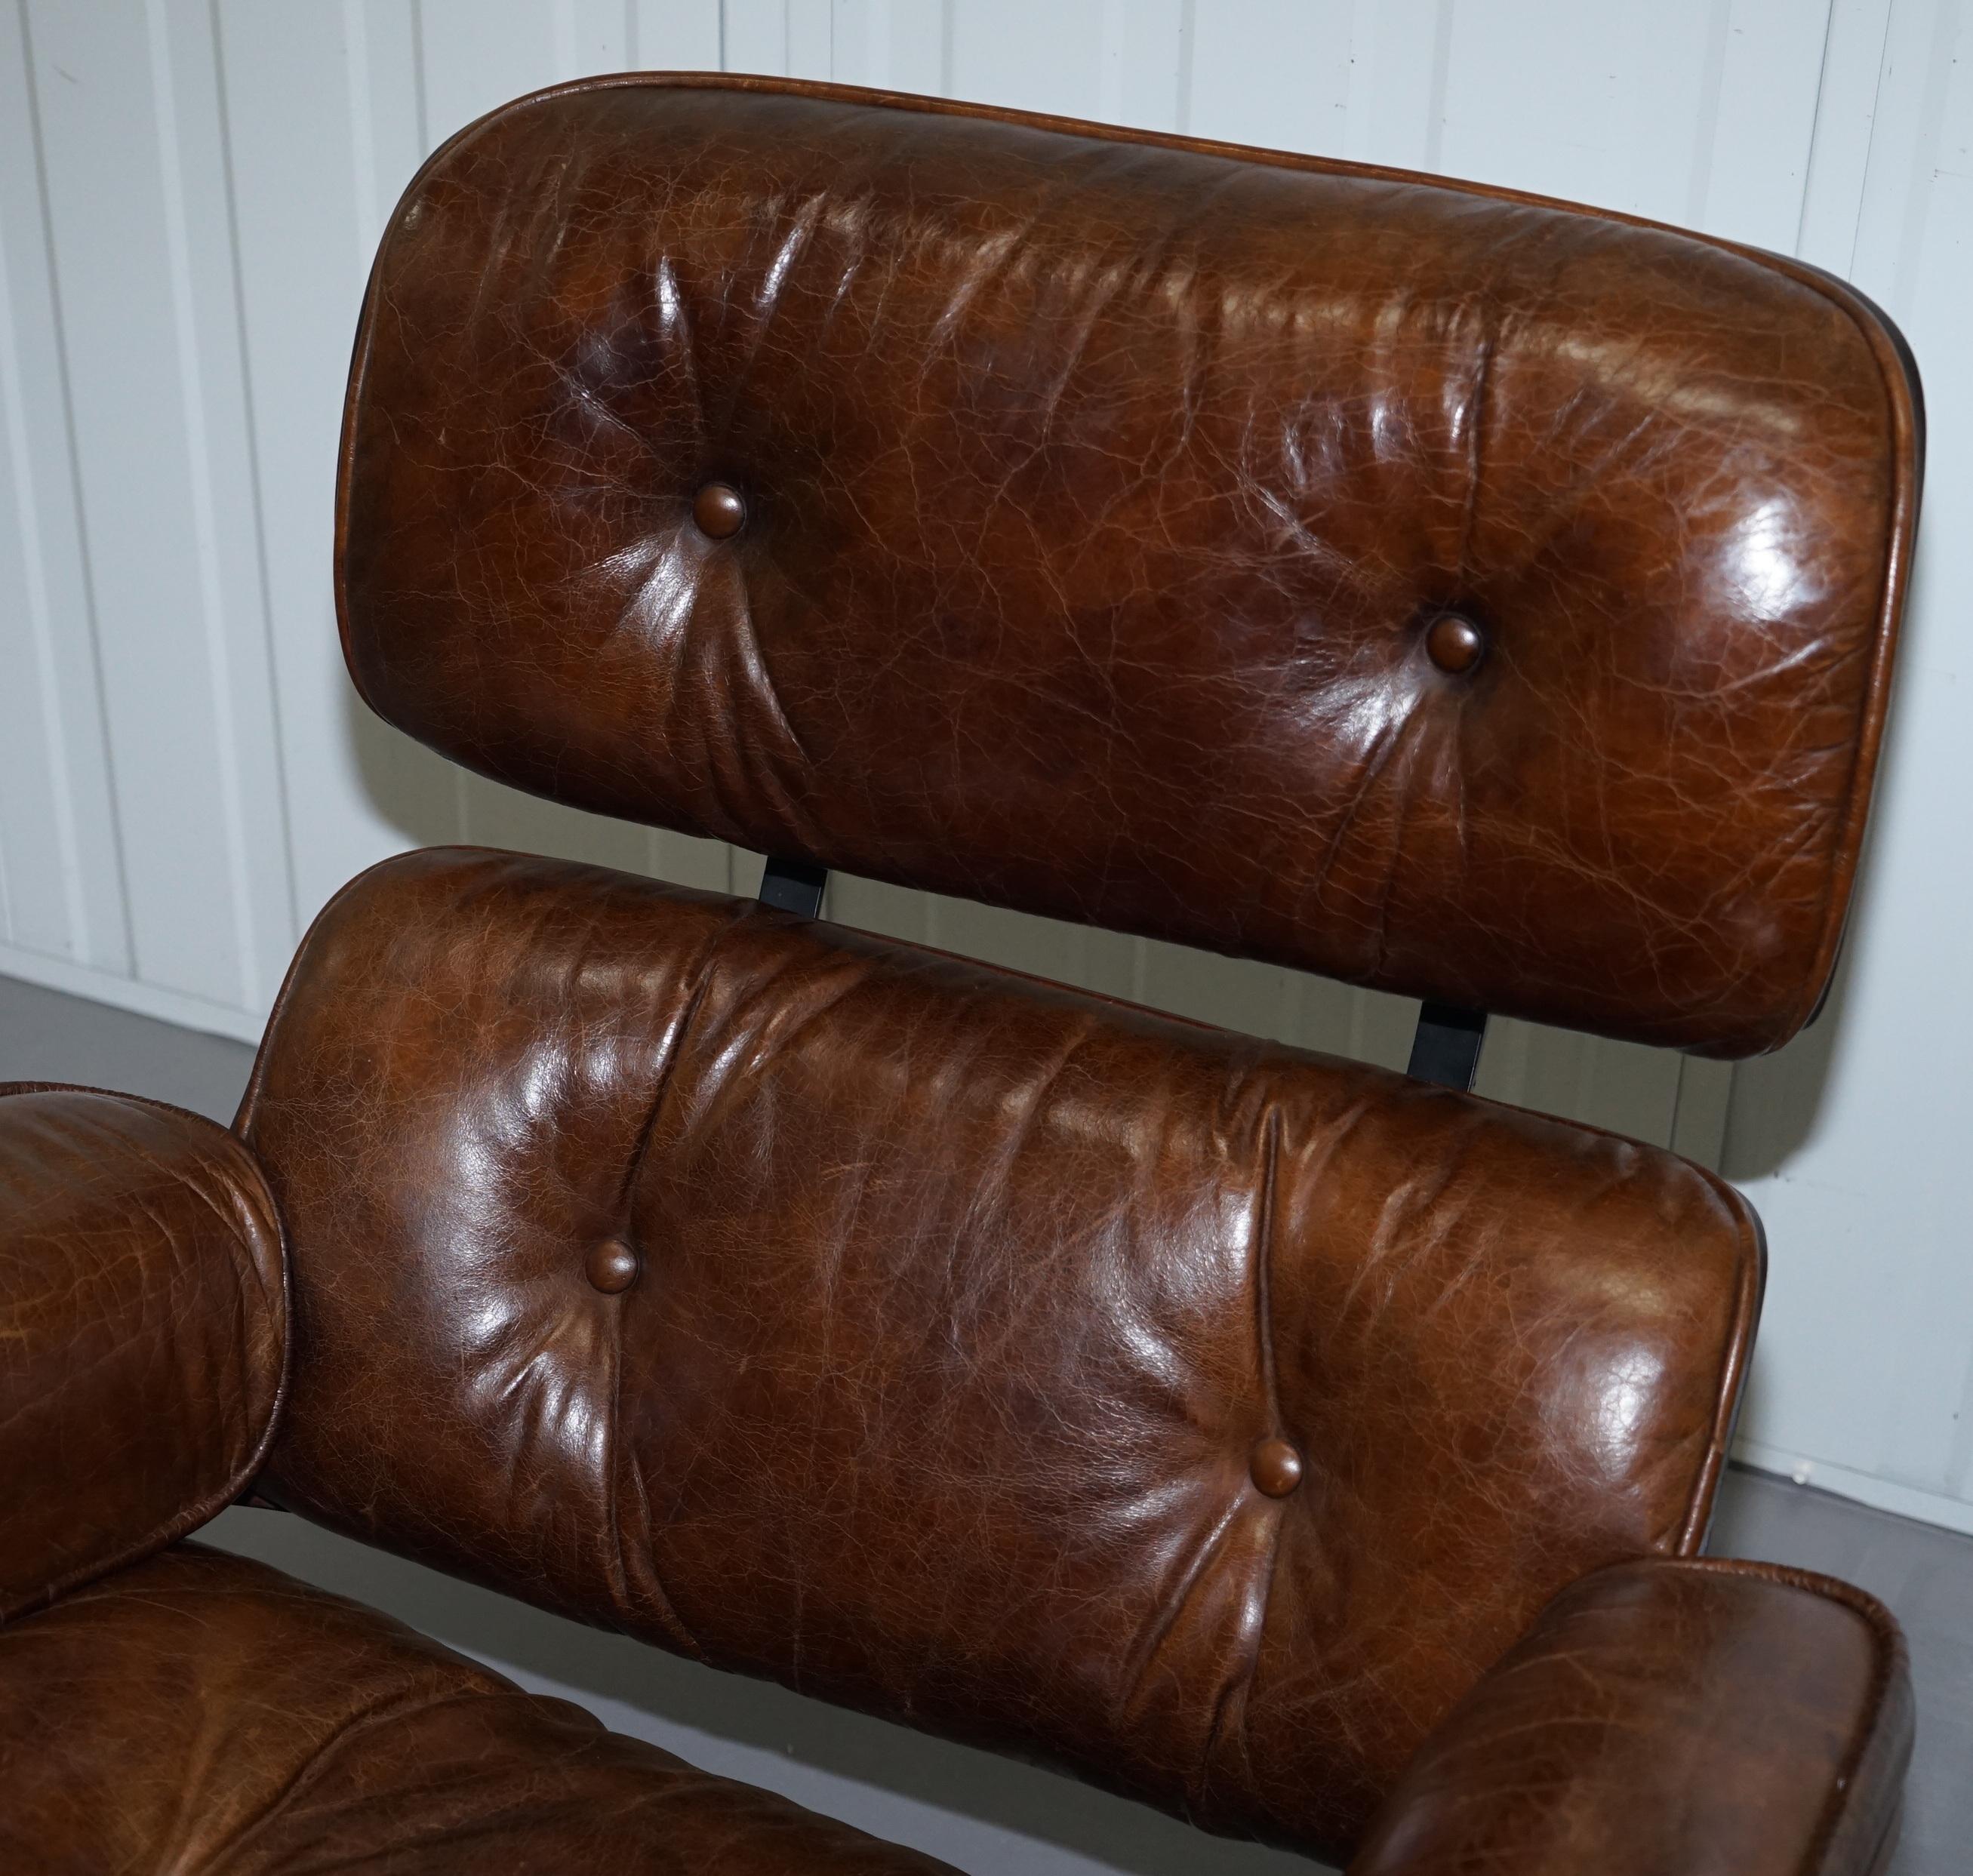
x=143 y=1331
x=1668 y=1719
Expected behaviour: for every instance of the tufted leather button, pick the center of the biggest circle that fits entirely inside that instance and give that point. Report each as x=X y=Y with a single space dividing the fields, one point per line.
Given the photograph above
x=1455 y=643
x=719 y=511
x=613 y=1267
x=1275 y=1467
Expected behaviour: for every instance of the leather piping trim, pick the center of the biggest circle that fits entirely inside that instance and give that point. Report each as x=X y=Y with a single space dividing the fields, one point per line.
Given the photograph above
x=1889 y=1653
x=1751 y=1293
x=201 y=1511
x=1891 y=355
x=114 y=1094
x=250 y=1099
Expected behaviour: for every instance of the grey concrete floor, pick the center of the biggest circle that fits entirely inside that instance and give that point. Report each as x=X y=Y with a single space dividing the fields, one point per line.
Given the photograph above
x=984 y=1815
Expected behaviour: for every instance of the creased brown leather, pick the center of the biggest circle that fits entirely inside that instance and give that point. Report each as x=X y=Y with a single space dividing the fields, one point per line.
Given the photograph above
x=143 y=1318
x=1669 y=1719
x=958 y=1306
x=1444 y=589
x=203 y=1712
x=1093 y=497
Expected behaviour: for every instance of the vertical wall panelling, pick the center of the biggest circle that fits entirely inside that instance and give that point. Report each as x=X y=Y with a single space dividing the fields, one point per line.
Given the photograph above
x=788 y=39
x=141 y=249
x=673 y=35
x=1278 y=73
x=477 y=53
x=1401 y=54
x=1853 y=56
x=899 y=45
x=60 y=868
x=1854 y=1145
x=996 y=53
x=321 y=109
x=1731 y=157
x=811 y=35
x=1750 y=179
x=230 y=618
x=754 y=36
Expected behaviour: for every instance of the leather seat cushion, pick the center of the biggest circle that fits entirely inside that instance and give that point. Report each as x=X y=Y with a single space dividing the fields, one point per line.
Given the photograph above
x=201 y=1712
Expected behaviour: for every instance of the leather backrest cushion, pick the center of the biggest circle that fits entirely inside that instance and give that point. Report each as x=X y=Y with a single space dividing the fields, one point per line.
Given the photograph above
x=905 y=1331
x=1098 y=495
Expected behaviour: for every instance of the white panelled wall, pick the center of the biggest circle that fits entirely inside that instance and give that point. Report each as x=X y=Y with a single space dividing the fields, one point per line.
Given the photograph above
x=190 y=192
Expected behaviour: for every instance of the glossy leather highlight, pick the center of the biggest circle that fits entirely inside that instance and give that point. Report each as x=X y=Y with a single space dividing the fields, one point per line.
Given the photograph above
x=719 y=511
x=934 y=1250
x=143 y=1326
x=1455 y=644
x=1101 y=486
x=613 y=1267
x=1275 y=1468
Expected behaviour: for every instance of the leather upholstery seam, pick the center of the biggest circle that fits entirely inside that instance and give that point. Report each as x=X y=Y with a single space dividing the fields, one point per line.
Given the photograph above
x=250 y=1099
x=8 y=1088
x=704 y=965
x=1275 y=1510
x=737 y=912
x=312 y=1768
x=667 y=1609
x=1239 y=1686
x=1263 y=1241
x=1750 y=1285
x=1157 y=1633
x=707 y=959
x=1475 y=462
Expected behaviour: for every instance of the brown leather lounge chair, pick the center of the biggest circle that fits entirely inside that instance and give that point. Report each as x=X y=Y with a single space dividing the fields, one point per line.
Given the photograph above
x=1478 y=598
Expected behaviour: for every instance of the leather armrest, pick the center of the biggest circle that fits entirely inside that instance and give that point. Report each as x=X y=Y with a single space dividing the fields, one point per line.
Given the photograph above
x=143 y=1331
x=1668 y=1719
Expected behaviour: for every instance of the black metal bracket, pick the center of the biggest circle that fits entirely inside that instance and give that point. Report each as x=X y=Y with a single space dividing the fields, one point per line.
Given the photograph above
x=1446 y=1048
x=794 y=886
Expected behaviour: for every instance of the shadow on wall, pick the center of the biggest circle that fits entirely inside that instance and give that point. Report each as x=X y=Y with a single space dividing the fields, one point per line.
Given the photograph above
x=414 y=788
x=1777 y=1100
x=982 y=1812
